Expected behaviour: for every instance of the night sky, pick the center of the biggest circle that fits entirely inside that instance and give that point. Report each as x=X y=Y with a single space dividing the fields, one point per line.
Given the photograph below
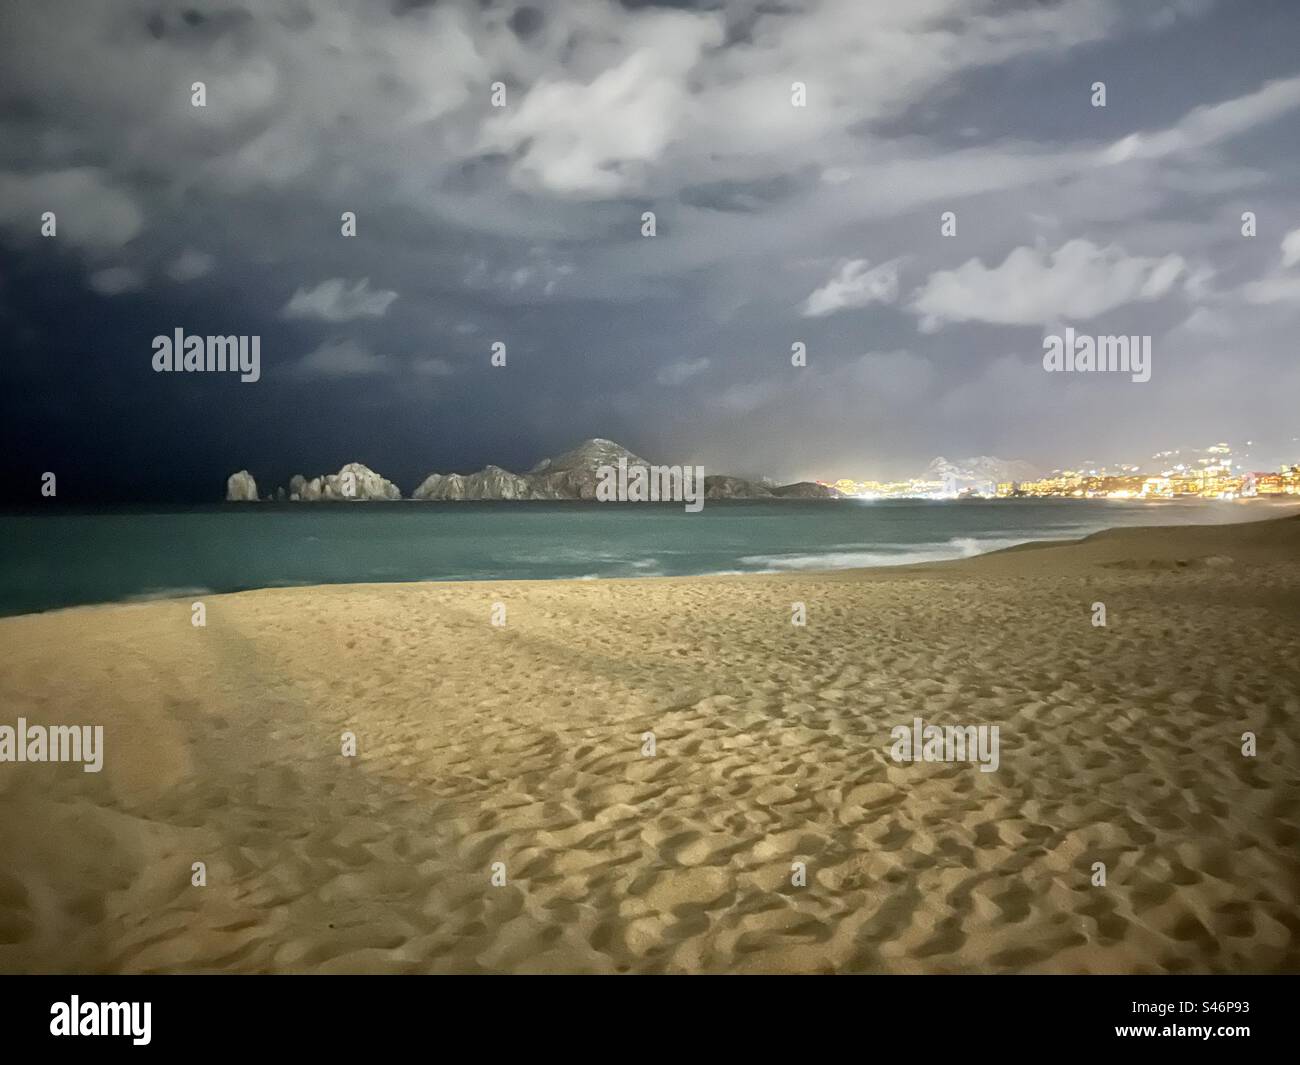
x=523 y=224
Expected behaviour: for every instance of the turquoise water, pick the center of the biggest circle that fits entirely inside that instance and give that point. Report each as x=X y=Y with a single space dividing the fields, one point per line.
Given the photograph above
x=62 y=559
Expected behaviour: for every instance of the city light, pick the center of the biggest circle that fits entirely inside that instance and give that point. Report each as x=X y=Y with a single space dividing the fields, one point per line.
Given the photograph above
x=1214 y=474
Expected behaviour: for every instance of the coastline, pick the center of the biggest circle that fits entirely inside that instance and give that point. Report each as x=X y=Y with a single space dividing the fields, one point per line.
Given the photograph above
x=523 y=744
x=53 y=567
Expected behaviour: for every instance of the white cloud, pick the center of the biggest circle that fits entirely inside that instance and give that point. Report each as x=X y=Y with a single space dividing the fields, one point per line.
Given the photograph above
x=1206 y=321
x=1278 y=286
x=749 y=396
x=344 y=358
x=1273 y=290
x=1198 y=284
x=334 y=301
x=89 y=211
x=1032 y=286
x=571 y=137
x=854 y=286
x=1291 y=248
x=432 y=366
x=189 y=265
x=678 y=373
x=116 y=280
x=1204 y=126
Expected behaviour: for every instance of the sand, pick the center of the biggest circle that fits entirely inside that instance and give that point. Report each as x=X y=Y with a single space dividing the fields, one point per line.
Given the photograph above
x=523 y=745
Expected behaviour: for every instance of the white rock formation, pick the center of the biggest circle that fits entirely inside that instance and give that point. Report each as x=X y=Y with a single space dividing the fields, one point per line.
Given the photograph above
x=354 y=481
x=492 y=482
x=241 y=488
x=576 y=474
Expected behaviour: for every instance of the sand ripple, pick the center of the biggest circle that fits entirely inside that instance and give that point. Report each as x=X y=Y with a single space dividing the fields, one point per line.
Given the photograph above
x=523 y=745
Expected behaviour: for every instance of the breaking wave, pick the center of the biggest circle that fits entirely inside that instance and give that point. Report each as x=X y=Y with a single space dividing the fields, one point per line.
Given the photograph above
x=884 y=554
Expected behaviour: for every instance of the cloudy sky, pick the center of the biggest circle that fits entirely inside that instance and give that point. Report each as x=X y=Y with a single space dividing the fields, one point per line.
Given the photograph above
x=522 y=224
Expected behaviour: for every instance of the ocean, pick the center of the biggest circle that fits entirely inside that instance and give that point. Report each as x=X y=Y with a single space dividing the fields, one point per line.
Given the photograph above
x=66 y=558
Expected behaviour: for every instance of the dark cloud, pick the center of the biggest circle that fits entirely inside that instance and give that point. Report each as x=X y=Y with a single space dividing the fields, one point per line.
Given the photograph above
x=527 y=20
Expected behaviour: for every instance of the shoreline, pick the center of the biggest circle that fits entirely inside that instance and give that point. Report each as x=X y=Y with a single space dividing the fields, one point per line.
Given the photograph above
x=986 y=562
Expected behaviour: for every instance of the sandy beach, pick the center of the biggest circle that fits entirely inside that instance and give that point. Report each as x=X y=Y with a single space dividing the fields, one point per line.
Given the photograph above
x=524 y=744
